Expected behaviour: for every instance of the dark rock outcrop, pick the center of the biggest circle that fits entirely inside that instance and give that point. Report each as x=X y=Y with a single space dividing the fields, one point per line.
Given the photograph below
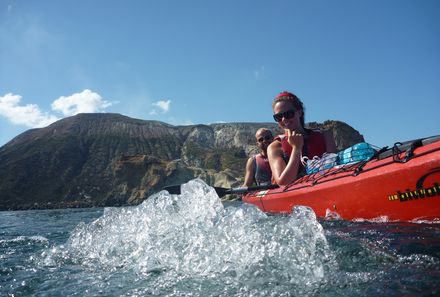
x=109 y=159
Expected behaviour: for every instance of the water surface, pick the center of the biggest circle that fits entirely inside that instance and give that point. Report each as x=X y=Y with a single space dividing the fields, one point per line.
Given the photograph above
x=193 y=245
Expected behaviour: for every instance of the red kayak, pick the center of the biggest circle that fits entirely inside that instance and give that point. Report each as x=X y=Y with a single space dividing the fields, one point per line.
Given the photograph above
x=397 y=184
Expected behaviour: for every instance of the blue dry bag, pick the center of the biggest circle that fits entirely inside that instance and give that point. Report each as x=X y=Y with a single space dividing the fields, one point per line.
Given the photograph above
x=359 y=152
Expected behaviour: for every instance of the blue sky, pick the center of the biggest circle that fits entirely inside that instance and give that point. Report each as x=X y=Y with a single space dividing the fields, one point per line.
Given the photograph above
x=372 y=64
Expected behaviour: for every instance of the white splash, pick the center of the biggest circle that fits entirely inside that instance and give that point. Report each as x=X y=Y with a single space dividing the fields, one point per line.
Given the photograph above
x=194 y=235
x=23 y=239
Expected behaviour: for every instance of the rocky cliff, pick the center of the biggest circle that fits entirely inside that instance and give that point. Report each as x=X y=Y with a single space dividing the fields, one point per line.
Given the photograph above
x=109 y=159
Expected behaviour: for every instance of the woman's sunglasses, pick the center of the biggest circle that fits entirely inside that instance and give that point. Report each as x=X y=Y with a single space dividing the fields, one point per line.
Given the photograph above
x=278 y=117
x=267 y=137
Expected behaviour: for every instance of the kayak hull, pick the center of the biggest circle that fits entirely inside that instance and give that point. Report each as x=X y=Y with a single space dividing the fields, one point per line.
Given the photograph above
x=389 y=188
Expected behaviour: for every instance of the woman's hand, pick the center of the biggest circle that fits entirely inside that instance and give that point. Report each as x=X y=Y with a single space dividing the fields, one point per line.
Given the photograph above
x=295 y=139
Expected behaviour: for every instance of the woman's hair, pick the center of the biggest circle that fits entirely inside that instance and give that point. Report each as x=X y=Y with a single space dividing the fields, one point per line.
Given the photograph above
x=291 y=98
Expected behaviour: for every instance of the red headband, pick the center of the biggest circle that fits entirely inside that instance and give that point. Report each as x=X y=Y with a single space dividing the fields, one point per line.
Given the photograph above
x=285 y=94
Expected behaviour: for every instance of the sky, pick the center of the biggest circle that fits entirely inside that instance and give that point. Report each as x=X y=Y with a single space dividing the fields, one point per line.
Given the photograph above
x=374 y=64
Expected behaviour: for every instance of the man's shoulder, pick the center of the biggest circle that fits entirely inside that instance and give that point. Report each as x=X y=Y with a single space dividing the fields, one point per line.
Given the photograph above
x=251 y=159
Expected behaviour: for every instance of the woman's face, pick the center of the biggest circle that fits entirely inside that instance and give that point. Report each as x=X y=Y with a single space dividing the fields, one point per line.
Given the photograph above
x=286 y=119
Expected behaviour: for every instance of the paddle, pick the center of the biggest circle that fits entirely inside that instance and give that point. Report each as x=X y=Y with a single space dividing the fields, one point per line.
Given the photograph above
x=175 y=189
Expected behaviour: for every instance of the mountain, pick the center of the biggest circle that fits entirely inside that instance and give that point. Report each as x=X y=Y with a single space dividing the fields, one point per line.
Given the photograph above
x=110 y=160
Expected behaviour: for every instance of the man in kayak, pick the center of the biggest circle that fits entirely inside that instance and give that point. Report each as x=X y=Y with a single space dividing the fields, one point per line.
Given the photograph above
x=286 y=151
x=257 y=167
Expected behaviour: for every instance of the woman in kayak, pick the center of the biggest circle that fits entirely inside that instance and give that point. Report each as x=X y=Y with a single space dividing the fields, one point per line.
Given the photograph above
x=286 y=151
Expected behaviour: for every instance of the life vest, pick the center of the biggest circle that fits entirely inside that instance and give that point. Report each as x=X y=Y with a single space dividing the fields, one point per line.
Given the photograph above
x=314 y=145
x=262 y=172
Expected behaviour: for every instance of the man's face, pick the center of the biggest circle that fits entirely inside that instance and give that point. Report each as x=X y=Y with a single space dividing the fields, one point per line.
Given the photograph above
x=264 y=138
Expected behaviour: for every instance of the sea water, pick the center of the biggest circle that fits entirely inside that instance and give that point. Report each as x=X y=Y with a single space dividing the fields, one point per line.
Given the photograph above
x=194 y=245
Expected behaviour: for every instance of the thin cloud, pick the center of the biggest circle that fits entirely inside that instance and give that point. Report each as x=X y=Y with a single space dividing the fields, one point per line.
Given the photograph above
x=176 y=122
x=86 y=101
x=259 y=72
x=162 y=105
x=188 y=123
x=29 y=115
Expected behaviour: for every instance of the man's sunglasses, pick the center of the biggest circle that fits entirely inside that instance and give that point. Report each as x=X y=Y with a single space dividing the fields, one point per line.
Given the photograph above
x=278 y=117
x=266 y=137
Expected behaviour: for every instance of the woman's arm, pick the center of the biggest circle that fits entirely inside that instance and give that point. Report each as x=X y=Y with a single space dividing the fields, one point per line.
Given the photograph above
x=282 y=173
